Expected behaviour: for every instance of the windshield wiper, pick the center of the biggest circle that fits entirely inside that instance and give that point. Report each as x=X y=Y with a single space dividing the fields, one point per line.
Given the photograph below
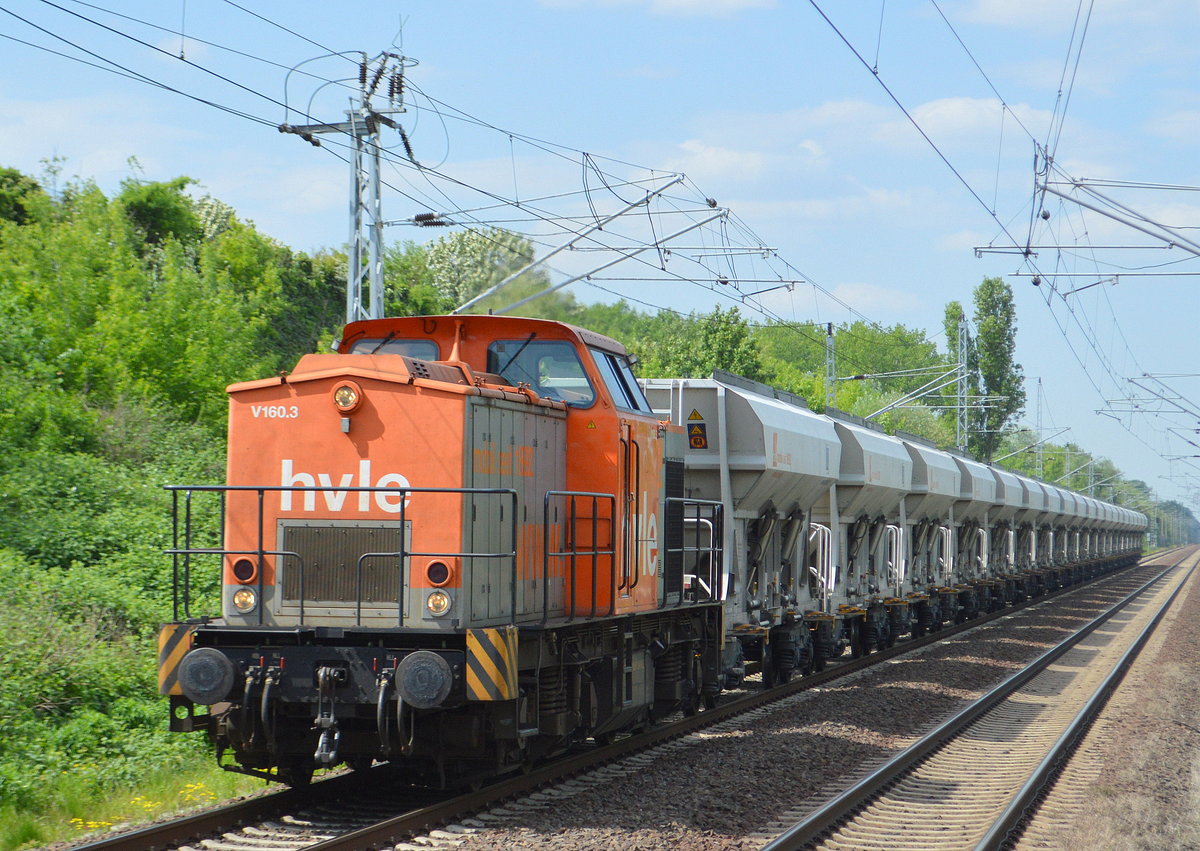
x=517 y=353
x=388 y=338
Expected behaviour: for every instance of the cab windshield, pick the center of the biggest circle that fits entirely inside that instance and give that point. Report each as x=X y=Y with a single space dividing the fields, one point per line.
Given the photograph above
x=419 y=349
x=551 y=367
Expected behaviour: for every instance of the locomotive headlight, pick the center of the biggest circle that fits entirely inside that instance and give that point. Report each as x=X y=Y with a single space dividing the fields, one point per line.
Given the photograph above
x=244 y=600
x=438 y=603
x=347 y=396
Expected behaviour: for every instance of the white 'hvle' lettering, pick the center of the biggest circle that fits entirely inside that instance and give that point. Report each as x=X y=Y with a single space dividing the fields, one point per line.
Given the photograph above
x=335 y=499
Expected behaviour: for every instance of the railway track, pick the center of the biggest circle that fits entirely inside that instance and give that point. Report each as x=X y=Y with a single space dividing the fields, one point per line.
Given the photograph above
x=972 y=781
x=369 y=809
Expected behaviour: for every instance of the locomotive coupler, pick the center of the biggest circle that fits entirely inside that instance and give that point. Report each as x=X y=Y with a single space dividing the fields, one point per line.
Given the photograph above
x=405 y=746
x=386 y=677
x=326 y=721
x=271 y=680
x=254 y=674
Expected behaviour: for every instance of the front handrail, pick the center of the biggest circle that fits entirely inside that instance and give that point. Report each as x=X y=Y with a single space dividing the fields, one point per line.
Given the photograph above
x=182 y=555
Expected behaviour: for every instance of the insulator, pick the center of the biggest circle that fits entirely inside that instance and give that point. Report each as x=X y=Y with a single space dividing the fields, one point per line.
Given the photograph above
x=375 y=80
x=407 y=145
x=362 y=74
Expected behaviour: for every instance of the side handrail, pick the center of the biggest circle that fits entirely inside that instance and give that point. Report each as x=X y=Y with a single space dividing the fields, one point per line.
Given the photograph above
x=572 y=554
x=705 y=513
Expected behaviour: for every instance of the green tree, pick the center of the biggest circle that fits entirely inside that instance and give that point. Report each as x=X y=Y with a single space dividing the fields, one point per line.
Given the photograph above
x=161 y=210
x=954 y=316
x=20 y=196
x=408 y=282
x=469 y=262
x=1001 y=377
x=693 y=346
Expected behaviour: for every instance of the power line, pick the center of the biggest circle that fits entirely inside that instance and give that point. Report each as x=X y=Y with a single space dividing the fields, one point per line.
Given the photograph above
x=278 y=25
x=129 y=72
x=205 y=42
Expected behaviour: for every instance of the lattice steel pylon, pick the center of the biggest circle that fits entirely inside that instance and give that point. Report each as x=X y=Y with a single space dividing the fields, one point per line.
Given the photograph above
x=365 y=207
x=962 y=423
x=362 y=125
x=830 y=368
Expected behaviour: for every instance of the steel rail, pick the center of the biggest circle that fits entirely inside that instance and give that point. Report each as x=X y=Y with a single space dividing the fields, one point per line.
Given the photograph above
x=230 y=816
x=851 y=800
x=1048 y=769
x=396 y=829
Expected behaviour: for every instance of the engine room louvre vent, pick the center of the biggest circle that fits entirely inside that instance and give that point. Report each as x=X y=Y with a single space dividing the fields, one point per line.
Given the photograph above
x=673 y=569
x=331 y=556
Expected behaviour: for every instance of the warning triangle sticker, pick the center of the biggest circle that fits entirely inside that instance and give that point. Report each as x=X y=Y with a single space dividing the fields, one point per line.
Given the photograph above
x=695 y=415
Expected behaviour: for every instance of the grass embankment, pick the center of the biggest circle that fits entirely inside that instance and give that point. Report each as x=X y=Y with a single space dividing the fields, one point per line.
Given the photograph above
x=84 y=743
x=77 y=805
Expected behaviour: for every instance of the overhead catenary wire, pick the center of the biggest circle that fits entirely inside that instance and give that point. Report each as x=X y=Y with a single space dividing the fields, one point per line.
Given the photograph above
x=553 y=221
x=1046 y=151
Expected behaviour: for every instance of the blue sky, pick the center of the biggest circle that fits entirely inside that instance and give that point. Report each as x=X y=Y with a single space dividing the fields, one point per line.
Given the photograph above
x=764 y=107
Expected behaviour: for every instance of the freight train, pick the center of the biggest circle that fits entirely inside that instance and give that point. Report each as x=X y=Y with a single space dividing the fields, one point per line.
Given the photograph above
x=460 y=544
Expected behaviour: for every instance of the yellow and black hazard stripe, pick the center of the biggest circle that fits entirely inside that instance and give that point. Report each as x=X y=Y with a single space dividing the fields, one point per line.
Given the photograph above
x=492 y=663
x=174 y=641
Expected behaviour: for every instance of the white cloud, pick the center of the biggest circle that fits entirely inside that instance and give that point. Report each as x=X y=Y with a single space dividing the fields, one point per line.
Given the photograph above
x=1084 y=168
x=702 y=161
x=173 y=45
x=963 y=240
x=1059 y=15
x=963 y=120
x=1173 y=215
x=130 y=129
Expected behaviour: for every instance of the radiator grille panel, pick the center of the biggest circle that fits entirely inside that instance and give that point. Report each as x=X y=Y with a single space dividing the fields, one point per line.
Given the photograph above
x=331 y=554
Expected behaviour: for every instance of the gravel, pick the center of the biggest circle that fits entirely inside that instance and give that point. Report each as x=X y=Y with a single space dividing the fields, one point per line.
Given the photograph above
x=722 y=788
x=1134 y=783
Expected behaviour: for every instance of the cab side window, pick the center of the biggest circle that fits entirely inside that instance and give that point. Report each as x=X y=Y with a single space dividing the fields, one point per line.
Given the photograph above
x=619 y=380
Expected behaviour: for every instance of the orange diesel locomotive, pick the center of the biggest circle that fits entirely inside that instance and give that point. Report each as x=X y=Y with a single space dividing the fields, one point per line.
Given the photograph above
x=458 y=544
